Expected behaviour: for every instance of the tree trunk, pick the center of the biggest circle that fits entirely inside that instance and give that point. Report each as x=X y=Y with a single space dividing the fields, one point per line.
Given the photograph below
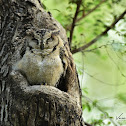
x=33 y=105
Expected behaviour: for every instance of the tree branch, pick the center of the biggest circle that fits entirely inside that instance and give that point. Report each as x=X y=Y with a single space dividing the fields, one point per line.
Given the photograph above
x=93 y=9
x=99 y=36
x=74 y=20
x=84 y=15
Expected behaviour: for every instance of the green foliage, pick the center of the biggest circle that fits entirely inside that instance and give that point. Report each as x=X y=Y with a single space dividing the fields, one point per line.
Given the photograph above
x=97 y=122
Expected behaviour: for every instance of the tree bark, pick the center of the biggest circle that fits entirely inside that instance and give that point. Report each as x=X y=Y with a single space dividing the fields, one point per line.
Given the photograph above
x=22 y=104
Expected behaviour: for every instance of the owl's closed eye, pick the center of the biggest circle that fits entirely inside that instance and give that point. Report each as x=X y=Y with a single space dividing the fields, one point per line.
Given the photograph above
x=50 y=39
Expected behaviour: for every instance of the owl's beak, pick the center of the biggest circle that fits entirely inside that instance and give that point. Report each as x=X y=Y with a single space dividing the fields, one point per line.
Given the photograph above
x=41 y=46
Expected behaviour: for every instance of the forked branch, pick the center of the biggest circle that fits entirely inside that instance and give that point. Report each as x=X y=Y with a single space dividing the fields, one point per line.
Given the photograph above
x=99 y=36
x=75 y=20
x=92 y=10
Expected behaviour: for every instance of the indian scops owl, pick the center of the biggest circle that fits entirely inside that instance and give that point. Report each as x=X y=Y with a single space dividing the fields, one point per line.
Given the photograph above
x=44 y=61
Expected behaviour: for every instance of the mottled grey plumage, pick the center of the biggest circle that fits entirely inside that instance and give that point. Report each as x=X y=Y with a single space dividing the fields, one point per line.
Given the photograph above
x=41 y=62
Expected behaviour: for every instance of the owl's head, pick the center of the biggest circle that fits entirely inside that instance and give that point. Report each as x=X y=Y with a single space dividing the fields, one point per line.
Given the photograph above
x=49 y=39
x=44 y=39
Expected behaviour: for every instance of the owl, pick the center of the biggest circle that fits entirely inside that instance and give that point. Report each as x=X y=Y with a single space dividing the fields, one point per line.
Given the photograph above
x=44 y=61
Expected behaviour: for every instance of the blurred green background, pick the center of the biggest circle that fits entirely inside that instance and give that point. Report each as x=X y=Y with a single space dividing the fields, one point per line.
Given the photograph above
x=102 y=66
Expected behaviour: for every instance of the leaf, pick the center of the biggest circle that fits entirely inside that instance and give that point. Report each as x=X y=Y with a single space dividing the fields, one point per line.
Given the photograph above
x=109 y=123
x=95 y=102
x=44 y=7
x=88 y=107
x=85 y=90
x=56 y=10
x=122 y=97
